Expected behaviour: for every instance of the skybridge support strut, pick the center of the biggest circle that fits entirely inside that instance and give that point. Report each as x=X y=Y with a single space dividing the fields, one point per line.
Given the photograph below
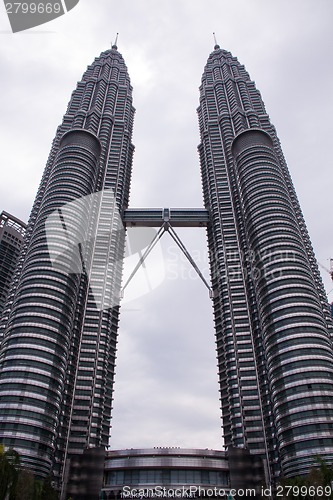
x=187 y=254
x=143 y=257
x=146 y=220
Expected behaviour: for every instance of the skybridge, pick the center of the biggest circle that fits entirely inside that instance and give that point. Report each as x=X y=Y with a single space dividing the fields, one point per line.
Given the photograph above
x=156 y=217
x=166 y=219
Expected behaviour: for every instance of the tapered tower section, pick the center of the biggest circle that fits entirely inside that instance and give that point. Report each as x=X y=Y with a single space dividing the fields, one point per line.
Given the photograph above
x=273 y=338
x=59 y=342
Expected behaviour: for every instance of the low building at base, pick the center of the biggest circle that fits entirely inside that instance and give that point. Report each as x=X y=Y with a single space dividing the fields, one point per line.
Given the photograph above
x=182 y=473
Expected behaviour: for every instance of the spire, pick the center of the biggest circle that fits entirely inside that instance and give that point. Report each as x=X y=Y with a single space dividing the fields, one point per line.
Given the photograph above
x=114 y=46
x=216 y=47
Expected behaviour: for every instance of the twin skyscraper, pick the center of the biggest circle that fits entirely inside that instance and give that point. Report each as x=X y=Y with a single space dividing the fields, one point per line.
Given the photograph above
x=272 y=321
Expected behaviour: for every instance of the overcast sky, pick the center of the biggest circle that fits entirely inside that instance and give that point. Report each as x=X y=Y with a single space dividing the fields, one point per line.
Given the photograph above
x=166 y=383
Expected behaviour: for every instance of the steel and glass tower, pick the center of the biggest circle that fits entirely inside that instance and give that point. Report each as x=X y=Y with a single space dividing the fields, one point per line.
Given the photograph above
x=59 y=343
x=273 y=328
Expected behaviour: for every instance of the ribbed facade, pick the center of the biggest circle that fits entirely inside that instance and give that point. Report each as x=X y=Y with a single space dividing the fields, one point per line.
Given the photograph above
x=59 y=342
x=273 y=327
x=12 y=232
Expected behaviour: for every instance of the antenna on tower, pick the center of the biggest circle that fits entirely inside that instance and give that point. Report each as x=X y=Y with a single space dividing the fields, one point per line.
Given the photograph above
x=216 y=44
x=114 y=46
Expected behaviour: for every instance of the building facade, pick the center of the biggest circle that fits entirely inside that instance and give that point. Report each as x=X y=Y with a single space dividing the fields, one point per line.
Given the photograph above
x=12 y=232
x=59 y=343
x=273 y=327
x=273 y=324
x=180 y=473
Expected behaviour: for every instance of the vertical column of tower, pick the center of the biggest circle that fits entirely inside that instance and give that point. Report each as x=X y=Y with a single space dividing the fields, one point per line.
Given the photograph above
x=296 y=341
x=305 y=236
x=220 y=114
x=261 y=119
x=230 y=105
x=76 y=341
x=110 y=115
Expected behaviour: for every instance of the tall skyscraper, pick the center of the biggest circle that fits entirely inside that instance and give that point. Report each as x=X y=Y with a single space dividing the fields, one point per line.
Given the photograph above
x=59 y=344
x=11 y=237
x=273 y=327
